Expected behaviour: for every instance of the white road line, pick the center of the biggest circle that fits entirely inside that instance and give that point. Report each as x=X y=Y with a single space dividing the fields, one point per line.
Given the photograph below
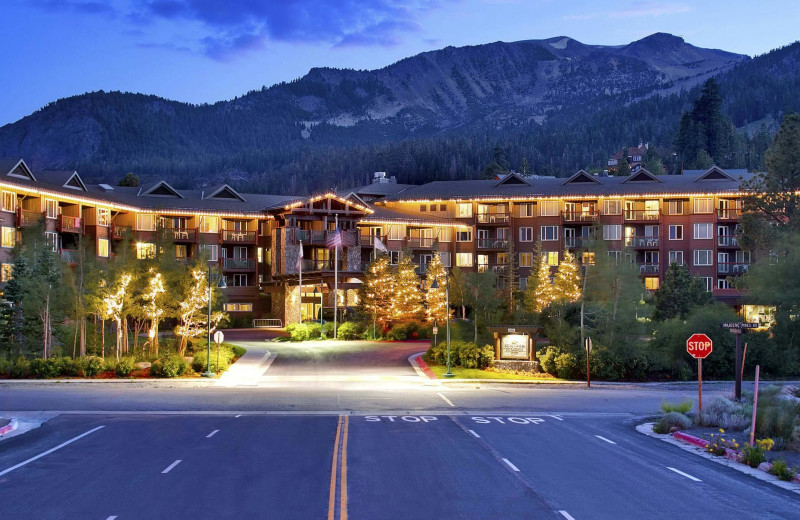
x=510 y=465
x=556 y=417
x=679 y=472
x=236 y=417
x=566 y=515
x=112 y=518
x=604 y=439
x=475 y=434
x=211 y=434
x=169 y=468
x=48 y=452
x=446 y=400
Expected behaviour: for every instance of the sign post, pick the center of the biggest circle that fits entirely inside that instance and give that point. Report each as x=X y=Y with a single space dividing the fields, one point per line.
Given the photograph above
x=588 y=349
x=699 y=346
x=219 y=337
x=738 y=329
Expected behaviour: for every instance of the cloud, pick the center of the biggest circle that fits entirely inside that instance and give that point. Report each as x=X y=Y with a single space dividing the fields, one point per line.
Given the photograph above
x=77 y=6
x=648 y=9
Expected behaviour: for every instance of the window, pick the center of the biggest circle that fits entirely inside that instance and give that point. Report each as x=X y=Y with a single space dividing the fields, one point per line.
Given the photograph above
x=211 y=251
x=613 y=232
x=651 y=283
x=433 y=207
x=704 y=205
x=651 y=257
x=423 y=207
x=52 y=240
x=675 y=207
x=503 y=233
x=612 y=207
x=702 y=257
x=442 y=207
x=523 y=283
x=394 y=257
x=707 y=281
x=615 y=255
x=526 y=234
x=464 y=259
x=464 y=210
x=445 y=256
x=722 y=283
x=103 y=217
x=239 y=280
x=675 y=232
x=464 y=236
x=483 y=263
x=525 y=259
x=51 y=208
x=549 y=233
x=676 y=257
x=742 y=257
x=181 y=251
x=502 y=258
x=145 y=222
x=5 y=272
x=587 y=258
x=445 y=234
x=209 y=224
x=526 y=210
x=9 y=201
x=703 y=231
x=145 y=250
x=548 y=208
x=9 y=236
x=396 y=232
x=551 y=257
x=239 y=307
x=102 y=247
x=260 y=255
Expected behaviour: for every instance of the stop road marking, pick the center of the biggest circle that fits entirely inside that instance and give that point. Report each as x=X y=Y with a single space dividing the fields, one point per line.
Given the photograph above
x=511 y=420
x=399 y=418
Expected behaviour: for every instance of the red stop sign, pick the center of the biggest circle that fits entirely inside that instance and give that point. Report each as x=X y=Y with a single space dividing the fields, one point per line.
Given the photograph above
x=699 y=346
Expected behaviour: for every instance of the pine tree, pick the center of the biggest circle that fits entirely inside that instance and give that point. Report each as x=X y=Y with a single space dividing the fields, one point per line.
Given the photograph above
x=567 y=285
x=377 y=290
x=679 y=293
x=534 y=279
x=436 y=299
x=524 y=167
x=407 y=299
x=544 y=292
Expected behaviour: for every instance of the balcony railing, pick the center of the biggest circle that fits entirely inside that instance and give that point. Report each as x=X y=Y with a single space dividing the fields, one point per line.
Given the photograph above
x=492 y=243
x=322 y=265
x=732 y=267
x=27 y=218
x=120 y=231
x=646 y=215
x=238 y=264
x=69 y=224
x=648 y=268
x=182 y=234
x=494 y=218
x=729 y=214
x=642 y=242
x=69 y=256
x=238 y=236
x=420 y=242
x=727 y=241
x=579 y=216
x=501 y=270
x=575 y=242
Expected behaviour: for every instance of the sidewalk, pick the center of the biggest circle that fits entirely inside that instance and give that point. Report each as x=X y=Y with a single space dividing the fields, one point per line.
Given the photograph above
x=249 y=367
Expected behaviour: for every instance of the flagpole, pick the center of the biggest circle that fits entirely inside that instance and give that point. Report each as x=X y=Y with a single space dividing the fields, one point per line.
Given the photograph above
x=336 y=278
x=300 y=286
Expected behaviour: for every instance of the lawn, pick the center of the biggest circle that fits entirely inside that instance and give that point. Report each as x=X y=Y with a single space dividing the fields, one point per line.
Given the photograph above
x=476 y=373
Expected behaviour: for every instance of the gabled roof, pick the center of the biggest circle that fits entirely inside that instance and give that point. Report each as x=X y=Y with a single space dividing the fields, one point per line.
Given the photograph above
x=513 y=178
x=159 y=189
x=66 y=179
x=714 y=174
x=223 y=192
x=16 y=168
x=581 y=176
x=642 y=175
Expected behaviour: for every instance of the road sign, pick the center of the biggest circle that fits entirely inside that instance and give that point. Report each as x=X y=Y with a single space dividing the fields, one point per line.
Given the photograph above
x=435 y=330
x=699 y=346
x=739 y=326
x=219 y=337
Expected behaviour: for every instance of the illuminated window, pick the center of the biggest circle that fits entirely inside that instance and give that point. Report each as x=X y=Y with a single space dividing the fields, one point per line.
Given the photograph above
x=613 y=232
x=549 y=233
x=703 y=231
x=181 y=251
x=445 y=235
x=612 y=207
x=587 y=258
x=551 y=257
x=464 y=259
x=145 y=250
x=396 y=232
x=102 y=247
x=145 y=222
x=464 y=210
x=239 y=307
x=211 y=251
x=5 y=272
x=9 y=201
x=703 y=205
x=209 y=224
x=103 y=217
x=526 y=210
x=51 y=208
x=525 y=259
x=675 y=207
x=502 y=258
x=464 y=236
x=702 y=257
x=9 y=236
x=260 y=255
x=526 y=234
x=548 y=208
x=651 y=283
x=483 y=263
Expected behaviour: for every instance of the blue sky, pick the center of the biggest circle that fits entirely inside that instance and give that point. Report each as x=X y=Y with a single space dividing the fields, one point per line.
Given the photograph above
x=209 y=50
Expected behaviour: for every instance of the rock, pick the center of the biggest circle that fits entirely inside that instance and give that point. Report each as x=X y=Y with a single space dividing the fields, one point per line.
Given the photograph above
x=673 y=429
x=765 y=466
x=141 y=365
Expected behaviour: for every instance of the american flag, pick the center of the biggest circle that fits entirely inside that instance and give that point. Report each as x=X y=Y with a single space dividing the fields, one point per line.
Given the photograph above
x=334 y=239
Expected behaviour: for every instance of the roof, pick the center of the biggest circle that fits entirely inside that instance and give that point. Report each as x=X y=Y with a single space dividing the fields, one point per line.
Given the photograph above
x=380 y=189
x=383 y=215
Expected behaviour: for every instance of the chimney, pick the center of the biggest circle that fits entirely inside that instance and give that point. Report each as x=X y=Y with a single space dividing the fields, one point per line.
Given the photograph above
x=379 y=178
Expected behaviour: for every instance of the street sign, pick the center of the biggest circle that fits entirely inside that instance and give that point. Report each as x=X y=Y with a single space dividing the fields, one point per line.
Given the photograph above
x=699 y=346
x=739 y=326
x=435 y=330
x=219 y=337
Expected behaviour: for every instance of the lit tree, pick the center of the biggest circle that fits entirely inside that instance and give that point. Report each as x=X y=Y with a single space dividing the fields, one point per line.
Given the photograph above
x=192 y=309
x=378 y=289
x=113 y=304
x=541 y=293
x=567 y=285
x=151 y=302
x=436 y=299
x=407 y=299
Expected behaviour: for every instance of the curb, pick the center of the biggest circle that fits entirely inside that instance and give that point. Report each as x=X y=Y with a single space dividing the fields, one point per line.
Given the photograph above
x=5 y=382
x=424 y=366
x=10 y=427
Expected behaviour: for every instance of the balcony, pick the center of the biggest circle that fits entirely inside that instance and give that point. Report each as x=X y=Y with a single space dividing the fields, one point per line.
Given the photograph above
x=369 y=240
x=644 y=215
x=27 y=218
x=501 y=270
x=494 y=218
x=729 y=214
x=421 y=269
x=735 y=268
x=642 y=242
x=648 y=268
x=579 y=216
x=182 y=234
x=238 y=264
x=578 y=242
x=69 y=256
x=727 y=241
x=493 y=243
x=322 y=265
x=69 y=224
x=419 y=242
x=239 y=237
x=120 y=232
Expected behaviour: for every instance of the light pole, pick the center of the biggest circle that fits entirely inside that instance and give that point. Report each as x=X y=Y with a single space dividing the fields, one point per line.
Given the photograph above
x=320 y=302
x=435 y=285
x=222 y=284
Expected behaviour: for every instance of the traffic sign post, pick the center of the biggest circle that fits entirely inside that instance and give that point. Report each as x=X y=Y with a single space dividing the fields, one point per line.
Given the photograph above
x=699 y=346
x=588 y=350
x=738 y=328
x=219 y=337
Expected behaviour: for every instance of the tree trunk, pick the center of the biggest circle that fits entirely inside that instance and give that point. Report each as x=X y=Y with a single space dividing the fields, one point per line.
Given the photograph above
x=102 y=338
x=83 y=335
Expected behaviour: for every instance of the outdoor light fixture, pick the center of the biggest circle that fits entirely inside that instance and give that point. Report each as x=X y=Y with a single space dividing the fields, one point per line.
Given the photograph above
x=222 y=284
x=435 y=285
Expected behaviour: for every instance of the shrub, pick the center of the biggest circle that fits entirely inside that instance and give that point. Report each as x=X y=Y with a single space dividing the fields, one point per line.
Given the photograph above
x=780 y=470
x=403 y=331
x=297 y=331
x=327 y=330
x=20 y=368
x=91 y=366
x=775 y=417
x=238 y=351
x=547 y=359
x=719 y=444
x=168 y=368
x=349 y=330
x=124 y=367
x=753 y=455
x=5 y=366
x=672 y=420
x=566 y=366
x=226 y=355
x=314 y=330
x=682 y=407
x=45 y=368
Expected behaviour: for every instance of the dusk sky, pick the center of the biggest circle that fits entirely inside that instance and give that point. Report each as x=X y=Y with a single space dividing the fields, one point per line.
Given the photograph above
x=210 y=50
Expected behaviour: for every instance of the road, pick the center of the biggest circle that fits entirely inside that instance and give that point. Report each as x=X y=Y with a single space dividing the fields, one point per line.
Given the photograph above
x=374 y=446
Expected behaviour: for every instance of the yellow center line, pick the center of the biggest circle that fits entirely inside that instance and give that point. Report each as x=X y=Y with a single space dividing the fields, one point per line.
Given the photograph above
x=343 y=489
x=332 y=496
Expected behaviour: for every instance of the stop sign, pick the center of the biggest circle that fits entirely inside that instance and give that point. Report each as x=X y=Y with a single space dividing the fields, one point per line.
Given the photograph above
x=698 y=346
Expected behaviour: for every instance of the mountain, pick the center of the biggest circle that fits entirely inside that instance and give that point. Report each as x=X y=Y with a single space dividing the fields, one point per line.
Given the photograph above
x=424 y=117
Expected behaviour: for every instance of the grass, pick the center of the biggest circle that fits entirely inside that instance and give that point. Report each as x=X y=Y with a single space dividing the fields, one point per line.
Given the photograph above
x=476 y=373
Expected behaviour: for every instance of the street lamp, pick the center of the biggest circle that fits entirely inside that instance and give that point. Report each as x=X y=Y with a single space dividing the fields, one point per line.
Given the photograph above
x=222 y=284
x=435 y=285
